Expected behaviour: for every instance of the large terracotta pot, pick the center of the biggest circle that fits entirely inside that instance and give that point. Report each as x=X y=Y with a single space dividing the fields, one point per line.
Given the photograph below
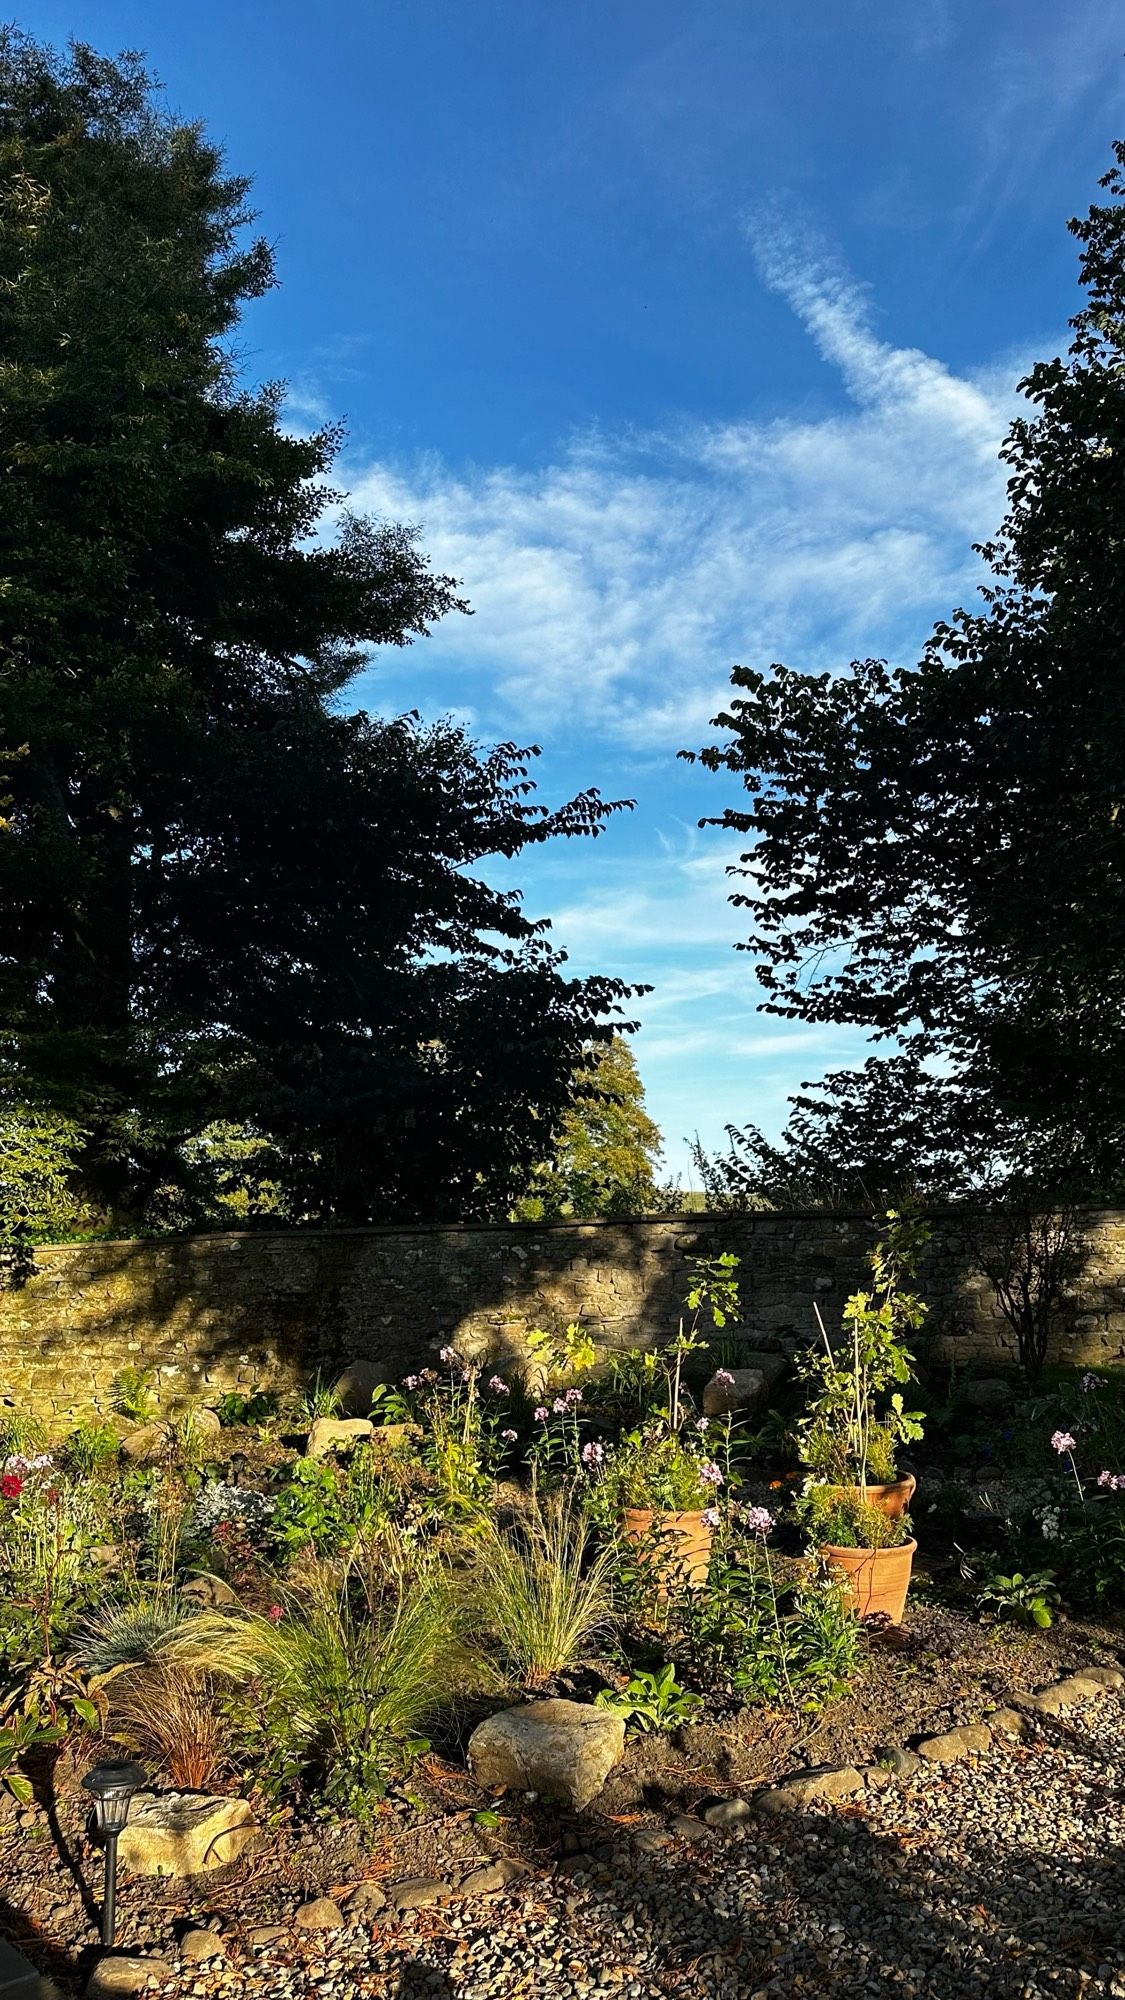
x=686 y=1540
x=875 y=1579
x=891 y=1500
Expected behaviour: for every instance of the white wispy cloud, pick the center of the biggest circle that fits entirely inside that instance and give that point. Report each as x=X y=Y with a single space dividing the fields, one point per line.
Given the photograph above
x=614 y=586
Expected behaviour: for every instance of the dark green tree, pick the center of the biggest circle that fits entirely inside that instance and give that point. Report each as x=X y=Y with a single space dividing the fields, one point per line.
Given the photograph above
x=938 y=854
x=222 y=897
x=607 y=1149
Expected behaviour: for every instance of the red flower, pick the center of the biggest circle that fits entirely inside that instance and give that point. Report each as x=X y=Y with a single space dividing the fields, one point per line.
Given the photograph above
x=11 y=1486
x=275 y=1614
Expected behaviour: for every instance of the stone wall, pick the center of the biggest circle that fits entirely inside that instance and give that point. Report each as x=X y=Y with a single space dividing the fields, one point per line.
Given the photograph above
x=211 y=1312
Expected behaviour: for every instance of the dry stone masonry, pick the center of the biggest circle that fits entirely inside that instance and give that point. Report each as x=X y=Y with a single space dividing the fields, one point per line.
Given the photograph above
x=216 y=1312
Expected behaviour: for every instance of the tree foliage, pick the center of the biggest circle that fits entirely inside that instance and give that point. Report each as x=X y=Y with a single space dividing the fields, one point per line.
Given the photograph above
x=224 y=899
x=938 y=854
x=608 y=1149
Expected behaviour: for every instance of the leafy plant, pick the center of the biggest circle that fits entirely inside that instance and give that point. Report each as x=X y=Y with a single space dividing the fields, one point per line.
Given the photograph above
x=1029 y=1599
x=540 y=1592
x=656 y=1468
x=251 y=1407
x=23 y=1730
x=746 y=1635
x=309 y=1511
x=321 y=1399
x=855 y=1415
x=653 y=1701
x=842 y=1518
x=132 y=1394
x=91 y=1449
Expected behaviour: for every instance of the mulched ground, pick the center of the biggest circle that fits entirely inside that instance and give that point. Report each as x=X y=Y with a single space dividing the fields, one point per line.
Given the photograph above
x=982 y=1879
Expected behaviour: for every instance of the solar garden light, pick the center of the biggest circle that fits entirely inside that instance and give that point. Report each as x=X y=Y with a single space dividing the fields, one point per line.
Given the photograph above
x=111 y=1787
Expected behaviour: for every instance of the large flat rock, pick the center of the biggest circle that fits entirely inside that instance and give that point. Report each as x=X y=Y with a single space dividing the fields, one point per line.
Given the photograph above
x=185 y=1833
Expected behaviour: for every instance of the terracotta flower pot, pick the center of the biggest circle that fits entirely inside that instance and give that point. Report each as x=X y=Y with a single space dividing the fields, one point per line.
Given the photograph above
x=686 y=1538
x=891 y=1500
x=875 y=1579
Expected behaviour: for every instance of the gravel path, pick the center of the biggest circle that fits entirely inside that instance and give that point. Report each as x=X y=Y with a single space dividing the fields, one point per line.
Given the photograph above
x=1001 y=1876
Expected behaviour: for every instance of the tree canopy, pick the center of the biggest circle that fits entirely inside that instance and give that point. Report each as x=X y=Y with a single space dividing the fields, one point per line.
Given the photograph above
x=608 y=1149
x=938 y=853
x=223 y=898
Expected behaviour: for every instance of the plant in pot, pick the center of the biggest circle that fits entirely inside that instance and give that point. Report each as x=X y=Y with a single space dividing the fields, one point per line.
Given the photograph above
x=661 y=1489
x=661 y=1482
x=871 y=1552
x=856 y=1421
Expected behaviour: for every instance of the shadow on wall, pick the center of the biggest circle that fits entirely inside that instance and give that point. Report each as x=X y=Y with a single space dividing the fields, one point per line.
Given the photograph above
x=213 y=1312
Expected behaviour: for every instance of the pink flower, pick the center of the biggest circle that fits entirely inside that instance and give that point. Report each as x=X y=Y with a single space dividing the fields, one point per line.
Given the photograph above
x=703 y=1423
x=449 y=1355
x=410 y=1381
x=11 y=1486
x=592 y=1453
x=710 y=1517
x=275 y=1614
x=574 y=1396
x=759 y=1520
x=1114 y=1482
x=541 y=1414
x=510 y=1437
x=1062 y=1441
x=560 y=1406
x=724 y=1376
x=498 y=1385
x=711 y=1475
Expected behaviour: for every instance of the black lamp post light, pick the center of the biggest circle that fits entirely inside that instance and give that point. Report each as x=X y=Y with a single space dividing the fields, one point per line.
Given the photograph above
x=112 y=1787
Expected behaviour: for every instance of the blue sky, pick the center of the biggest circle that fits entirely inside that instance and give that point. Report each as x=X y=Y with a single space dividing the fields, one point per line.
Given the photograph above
x=688 y=330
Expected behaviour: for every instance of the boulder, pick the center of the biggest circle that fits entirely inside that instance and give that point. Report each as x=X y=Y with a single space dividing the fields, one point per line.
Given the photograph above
x=118 y=1973
x=899 y=1761
x=727 y=1813
x=417 y=1893
x=1006 y=1722
x=321 y=1914
x=356 y=1386
x=954 y=1744
x=990 y=1395
x=805 y=1788
x=564 y=1750
x=772 y=1366
x=497 y=1875
x=211 y=1593
x=1068 y=1693
x=337 y=1434
x=149 y=1444
x=184 y=1833
x=1103 y=1677
x=738 y=1392
x=365 y=1900
x=196 y=1947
